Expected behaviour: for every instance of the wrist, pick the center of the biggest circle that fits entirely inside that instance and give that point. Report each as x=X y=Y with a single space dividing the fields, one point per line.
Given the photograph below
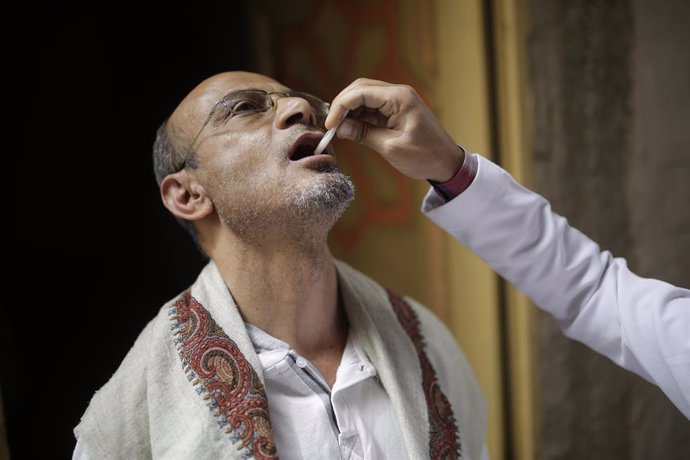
x=462 y=178
x=449 y=167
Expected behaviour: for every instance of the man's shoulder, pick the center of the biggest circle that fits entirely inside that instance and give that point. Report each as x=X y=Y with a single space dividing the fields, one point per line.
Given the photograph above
x=118 y=409
x=135 y=362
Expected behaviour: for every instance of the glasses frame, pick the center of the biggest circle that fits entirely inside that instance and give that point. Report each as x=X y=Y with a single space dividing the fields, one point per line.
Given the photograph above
x=325 y=107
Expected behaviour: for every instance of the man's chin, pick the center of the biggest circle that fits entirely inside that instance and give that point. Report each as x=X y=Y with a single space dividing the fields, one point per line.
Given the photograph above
x=332 y=192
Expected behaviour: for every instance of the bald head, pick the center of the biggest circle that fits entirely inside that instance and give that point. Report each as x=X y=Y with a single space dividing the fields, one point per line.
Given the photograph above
x=174 y=137
x=189 y=116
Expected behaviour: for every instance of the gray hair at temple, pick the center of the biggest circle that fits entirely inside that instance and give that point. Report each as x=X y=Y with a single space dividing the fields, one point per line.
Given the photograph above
x=168 y=159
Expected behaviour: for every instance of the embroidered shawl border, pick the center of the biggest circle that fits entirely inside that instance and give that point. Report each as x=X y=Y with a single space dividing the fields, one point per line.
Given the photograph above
x=444 y=439
x=214 y=364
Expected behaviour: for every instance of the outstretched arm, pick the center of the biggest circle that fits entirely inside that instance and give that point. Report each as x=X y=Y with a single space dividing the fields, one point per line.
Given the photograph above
x=641 y=324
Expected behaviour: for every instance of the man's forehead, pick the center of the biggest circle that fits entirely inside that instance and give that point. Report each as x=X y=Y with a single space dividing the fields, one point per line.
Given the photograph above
x=201 y=99
x=222 y=84
x=213 y=89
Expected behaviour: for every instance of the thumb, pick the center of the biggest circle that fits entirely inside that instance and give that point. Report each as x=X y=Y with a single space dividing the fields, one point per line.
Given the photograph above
x=364 y=133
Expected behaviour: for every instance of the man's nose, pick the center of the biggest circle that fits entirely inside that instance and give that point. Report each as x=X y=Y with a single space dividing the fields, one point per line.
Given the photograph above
x=294 y=110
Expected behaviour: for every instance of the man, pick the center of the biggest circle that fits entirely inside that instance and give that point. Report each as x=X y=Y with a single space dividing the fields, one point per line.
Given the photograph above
x=641 y=324
x=277 y=348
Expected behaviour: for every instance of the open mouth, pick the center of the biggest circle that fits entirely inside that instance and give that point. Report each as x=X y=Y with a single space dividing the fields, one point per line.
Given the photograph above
x=305 y=147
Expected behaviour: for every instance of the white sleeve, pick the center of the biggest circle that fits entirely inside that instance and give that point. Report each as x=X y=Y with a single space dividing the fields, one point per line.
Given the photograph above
x=79 y=452
x=641 y=324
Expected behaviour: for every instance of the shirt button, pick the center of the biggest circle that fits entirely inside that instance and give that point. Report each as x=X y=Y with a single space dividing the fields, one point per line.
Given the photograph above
x=301 y=362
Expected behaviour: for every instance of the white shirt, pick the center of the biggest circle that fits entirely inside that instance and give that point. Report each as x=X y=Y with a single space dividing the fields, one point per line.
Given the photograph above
x=353 y=420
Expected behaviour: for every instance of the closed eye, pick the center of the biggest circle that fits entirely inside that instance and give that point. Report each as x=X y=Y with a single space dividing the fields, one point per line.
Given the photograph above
x=245 y=106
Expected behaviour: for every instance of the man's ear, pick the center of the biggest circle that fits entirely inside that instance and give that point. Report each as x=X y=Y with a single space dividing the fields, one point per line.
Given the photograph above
x=185 y=197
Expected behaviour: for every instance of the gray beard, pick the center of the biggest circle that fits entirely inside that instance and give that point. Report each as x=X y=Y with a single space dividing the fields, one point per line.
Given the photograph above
x=306 y=217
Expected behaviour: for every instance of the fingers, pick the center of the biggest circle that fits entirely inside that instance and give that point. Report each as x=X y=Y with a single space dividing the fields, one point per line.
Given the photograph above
x=394 y=121
x=363 y=133
x=374 y=95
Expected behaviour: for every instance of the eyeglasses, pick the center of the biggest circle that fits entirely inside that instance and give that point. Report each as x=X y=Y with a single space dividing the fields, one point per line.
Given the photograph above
x=249 y=101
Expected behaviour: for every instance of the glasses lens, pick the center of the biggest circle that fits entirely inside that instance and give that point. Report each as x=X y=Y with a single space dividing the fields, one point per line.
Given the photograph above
x=245 y=101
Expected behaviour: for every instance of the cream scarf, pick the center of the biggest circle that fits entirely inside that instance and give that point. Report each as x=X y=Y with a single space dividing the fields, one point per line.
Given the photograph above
x=189 y=387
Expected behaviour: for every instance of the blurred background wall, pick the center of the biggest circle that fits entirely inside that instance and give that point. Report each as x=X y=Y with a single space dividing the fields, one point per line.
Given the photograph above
x=612 y=153
x=584 y=101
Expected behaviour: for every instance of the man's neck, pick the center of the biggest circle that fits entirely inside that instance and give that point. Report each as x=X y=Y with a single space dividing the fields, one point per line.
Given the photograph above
x=291 y=293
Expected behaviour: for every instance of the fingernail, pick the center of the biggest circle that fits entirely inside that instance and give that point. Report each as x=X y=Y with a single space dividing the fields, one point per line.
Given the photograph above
x=346 y=129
